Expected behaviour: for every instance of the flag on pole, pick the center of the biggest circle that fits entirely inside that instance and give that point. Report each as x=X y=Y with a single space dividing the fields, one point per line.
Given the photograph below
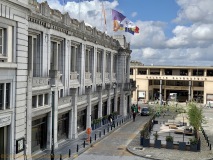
x=120 y=22
x=117 y=15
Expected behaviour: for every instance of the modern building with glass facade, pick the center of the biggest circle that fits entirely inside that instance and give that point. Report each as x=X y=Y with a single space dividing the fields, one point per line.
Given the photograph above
x=189 y=82
x=56 y=75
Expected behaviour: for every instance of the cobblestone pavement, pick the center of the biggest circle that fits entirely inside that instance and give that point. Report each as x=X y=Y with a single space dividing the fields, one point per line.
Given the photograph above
x=113 y=147
x=174 y=154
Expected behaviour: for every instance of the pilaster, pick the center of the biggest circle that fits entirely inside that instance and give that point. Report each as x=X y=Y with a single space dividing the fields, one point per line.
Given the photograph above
x=109 y=98
x=99 y=89
x=74 y=117
x=89 y=107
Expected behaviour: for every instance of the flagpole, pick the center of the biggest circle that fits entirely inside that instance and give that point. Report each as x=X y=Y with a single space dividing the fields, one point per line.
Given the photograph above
x=79 y=10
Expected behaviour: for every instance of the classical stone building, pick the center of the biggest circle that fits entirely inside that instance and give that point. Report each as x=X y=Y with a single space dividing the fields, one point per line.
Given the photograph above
x=189 y=82
x=56 y=75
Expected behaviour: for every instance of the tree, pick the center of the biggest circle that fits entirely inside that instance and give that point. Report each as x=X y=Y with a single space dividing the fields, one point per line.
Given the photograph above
x=195 y=116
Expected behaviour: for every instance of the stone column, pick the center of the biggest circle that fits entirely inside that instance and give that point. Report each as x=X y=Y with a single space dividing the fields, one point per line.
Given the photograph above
x=73 y=125
x=29 y=101
x=89 y=107
x=190 y=88
x=99 y=89
x=55 y=115
x=128 y=70
x=160 y=92
x=109 y=99
x=116 y=99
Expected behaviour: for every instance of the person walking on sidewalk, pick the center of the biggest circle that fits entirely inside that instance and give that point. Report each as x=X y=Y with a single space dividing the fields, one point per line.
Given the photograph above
x=134 y=115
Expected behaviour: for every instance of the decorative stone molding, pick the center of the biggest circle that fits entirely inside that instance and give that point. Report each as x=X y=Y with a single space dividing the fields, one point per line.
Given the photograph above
x=64 y=100
x=87 y=75
x=95 y=95
x=40 y=81
x=74 y=76
x=82 y=98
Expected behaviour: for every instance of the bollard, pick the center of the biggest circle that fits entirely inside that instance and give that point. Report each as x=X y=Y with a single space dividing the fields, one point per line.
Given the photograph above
x=111 y=127
x=69 y=153
x=108 y=128
x=77 y=148
x=117 y=124
x=210 y=147
x=90 y=140
x=52 y=156
x=99 y=134
x=84 y=144
x=95 y=137
x=104 y=131
x=60 y=157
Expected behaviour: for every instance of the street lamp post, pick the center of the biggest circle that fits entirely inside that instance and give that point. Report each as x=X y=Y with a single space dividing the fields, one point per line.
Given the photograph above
x=137 y=94
x=53 y=145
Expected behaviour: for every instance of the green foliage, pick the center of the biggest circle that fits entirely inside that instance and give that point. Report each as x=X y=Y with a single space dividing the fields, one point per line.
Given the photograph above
x=156 y=135
x=169 y=138
x=115 y=113
x=195 y=115
x=193 y=141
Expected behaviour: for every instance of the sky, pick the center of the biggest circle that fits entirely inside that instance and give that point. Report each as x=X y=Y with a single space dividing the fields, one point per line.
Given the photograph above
x=172 y=32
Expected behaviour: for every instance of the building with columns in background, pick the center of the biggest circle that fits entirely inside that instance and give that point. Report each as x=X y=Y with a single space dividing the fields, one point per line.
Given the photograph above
x=158 y=82
x=56 y=76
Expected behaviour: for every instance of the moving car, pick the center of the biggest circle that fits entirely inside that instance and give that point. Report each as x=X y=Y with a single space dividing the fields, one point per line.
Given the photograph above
x=145 y=111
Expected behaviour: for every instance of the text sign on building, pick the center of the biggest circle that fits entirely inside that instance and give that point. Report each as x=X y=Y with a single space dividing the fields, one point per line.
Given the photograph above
x=5 y=120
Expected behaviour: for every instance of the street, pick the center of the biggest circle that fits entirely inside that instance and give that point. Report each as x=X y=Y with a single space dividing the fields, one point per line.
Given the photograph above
x=113 y=147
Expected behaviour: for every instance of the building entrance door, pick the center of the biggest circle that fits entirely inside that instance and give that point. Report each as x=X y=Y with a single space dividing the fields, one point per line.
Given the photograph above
x=39 y=134
x=3 y=143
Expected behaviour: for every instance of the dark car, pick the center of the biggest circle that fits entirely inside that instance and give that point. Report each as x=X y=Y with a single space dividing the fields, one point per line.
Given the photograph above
x=145 y=111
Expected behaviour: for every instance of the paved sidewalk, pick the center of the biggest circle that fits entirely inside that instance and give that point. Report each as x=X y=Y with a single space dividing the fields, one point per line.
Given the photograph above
x=72 y=145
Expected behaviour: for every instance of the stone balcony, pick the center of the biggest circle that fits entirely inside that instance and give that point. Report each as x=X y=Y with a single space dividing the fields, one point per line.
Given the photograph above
x=98 y=78
x=113 y=77
x=107 y=77
x=74 y=82
x=64 y=101
x=88 y=80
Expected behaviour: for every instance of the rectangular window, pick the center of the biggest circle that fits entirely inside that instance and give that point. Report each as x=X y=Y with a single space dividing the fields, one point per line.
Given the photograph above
x=108 y=62
x=40 y=100
x=46 y=98
x=87 y=61
x=34 y=101
x=1 y=96
x=73 y=59
x=114 y=64
x=5 y=96
x=1 y=40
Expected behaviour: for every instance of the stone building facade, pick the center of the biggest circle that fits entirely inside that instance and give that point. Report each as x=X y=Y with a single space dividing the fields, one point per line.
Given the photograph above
x=56 y=75
x=159 y=82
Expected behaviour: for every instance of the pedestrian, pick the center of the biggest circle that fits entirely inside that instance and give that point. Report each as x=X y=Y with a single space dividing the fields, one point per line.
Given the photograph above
x=110 y=119
x=134 y=115
x=133 y=108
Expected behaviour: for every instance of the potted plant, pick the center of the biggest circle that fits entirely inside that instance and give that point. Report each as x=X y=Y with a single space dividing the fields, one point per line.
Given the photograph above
x=169 y=142
x=157 y=142
x=193 y=144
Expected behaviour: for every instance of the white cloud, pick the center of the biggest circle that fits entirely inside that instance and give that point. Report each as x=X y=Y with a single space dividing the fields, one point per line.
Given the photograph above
x=134 y=14
x=191 y=44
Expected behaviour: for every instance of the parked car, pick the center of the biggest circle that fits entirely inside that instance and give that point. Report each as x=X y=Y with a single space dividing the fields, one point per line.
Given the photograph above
x=145 y=111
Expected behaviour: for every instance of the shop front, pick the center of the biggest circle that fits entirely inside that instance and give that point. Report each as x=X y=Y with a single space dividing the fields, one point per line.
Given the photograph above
x=63 y=126
x=82 y=119
x=3 y=143
x=5 y=136
x=112 y=108
x=39 y=133
x=104 y=108
x=94 y=112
